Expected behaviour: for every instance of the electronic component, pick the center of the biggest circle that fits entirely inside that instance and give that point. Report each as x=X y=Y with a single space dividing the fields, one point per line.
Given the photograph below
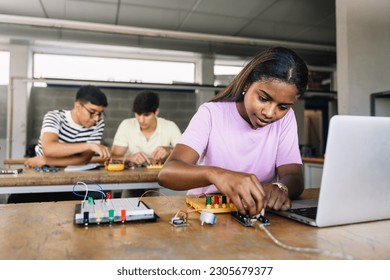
x=11 y=171
x=211 y=203
x=179 y=222
x=247 y=221
x=242 y=219
x=155 y=165
x=207 y=217
x=180 y=219
x=47 y=169
x=114 y=165
x=113 y=210
x=123 y=215
x=262 y=219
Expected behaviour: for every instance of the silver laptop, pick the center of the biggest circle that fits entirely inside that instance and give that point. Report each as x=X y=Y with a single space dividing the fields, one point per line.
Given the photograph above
x=355 y=184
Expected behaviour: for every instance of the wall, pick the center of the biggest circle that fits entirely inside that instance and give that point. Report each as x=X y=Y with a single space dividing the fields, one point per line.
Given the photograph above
x=3 y=123
x=363 y=53
x=20 y=66
x=178 y=106
x=3 y=111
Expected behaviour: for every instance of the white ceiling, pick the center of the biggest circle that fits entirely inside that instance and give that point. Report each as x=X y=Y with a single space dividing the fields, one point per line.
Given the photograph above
x=308 y=26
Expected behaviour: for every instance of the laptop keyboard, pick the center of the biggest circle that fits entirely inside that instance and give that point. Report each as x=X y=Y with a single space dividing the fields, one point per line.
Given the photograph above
x=310 y=212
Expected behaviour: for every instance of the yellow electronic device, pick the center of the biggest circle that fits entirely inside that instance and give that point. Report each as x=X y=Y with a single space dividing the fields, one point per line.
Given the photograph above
x=114 y=166
x=157 y=165
x=211 y=203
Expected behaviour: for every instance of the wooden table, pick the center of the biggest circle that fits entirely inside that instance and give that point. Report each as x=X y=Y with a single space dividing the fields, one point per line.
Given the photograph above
x=32 y=181
x=46 y=231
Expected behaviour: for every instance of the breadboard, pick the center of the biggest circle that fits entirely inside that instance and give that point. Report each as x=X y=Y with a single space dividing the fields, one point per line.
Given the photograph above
x=199 y=203
x=113 y=210
x=155 y=166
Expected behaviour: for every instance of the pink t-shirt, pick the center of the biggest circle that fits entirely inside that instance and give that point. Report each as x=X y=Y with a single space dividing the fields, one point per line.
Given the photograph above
x=222 y=138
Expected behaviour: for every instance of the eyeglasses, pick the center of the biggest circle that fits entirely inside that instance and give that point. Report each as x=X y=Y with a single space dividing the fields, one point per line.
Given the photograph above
x=92 y=115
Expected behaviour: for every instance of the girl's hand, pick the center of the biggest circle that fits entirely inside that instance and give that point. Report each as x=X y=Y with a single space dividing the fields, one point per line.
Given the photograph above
x=243 y=189
x=277 y=199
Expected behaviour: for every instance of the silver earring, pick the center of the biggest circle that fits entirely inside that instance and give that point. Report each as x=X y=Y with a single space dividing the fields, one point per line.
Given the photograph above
x=243 y=93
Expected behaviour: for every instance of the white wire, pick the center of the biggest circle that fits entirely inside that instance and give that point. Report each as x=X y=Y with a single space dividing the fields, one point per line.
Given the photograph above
x=87 y=190
x=303 y=249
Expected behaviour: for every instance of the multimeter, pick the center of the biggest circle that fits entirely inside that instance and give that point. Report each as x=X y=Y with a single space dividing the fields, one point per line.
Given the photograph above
x=114 y=166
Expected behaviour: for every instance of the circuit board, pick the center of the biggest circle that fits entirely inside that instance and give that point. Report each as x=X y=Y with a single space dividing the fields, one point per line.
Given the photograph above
x=211 y=203
x=154 y=166
x=247 y=221
x=112 y=211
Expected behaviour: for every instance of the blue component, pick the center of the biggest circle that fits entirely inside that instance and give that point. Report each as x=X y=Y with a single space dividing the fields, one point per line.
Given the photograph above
x=246 y=220
x=46 y=169
x=242 y=219
x=263 y=220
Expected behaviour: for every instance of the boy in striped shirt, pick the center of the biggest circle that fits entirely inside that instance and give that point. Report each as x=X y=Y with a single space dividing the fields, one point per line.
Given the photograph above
x=72 y=137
